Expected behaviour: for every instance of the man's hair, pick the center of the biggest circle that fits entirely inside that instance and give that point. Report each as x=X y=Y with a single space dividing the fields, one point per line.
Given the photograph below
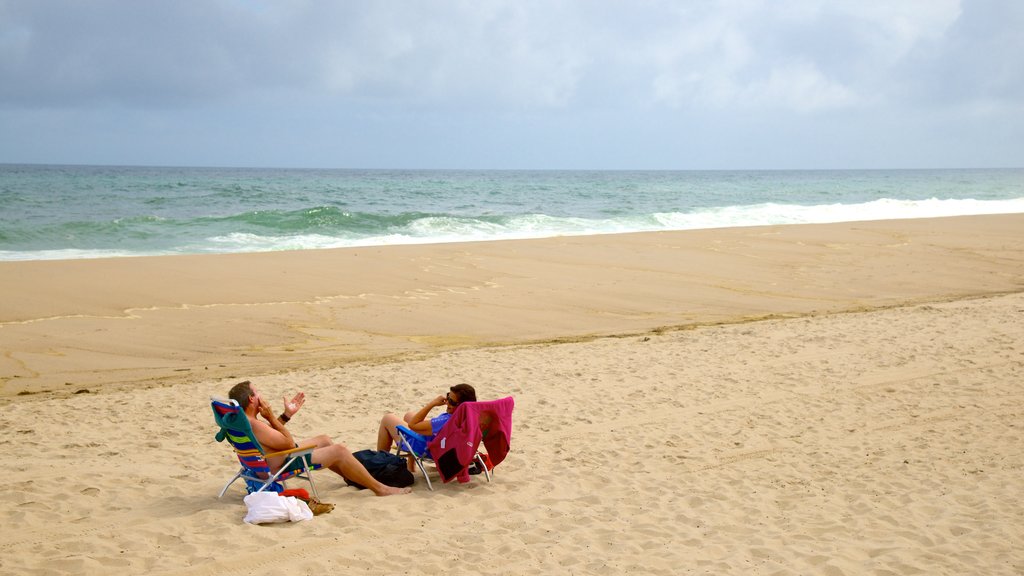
x=240 y=393
x=465 y=391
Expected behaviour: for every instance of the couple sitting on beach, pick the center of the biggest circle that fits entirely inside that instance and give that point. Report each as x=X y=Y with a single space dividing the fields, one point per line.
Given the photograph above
x=274 y=436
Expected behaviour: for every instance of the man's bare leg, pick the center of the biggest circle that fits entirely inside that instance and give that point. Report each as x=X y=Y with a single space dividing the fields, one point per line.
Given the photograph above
x=340 y=460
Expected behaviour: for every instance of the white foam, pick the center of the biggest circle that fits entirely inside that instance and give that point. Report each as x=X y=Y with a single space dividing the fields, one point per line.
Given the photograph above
x=68 y=254
x=444 y=229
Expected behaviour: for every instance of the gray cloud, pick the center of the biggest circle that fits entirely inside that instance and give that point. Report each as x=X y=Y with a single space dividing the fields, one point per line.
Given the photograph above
x=219 y=74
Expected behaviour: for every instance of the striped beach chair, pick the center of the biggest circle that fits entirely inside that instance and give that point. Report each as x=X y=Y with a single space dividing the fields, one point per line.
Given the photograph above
x=235 y=428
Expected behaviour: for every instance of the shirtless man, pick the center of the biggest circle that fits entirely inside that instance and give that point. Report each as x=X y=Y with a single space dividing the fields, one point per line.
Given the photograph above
x=274 y=436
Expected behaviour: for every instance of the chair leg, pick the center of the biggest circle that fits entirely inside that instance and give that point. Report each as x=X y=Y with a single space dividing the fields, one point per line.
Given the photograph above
x=272 y=479
x=230 y=482
x=423 y=470
x=306 y=475
x=480 y=461
x=309 y=477
x=402 y=445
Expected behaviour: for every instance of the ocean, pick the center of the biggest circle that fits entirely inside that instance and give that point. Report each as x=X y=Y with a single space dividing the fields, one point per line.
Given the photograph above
x=63 y=212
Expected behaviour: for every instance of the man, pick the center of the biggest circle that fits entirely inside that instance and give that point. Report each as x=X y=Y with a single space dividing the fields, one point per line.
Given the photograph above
x=274 y=437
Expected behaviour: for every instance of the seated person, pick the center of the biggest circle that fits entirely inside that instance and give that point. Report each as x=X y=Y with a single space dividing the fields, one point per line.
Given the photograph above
x=417 y=421
x=274 y=437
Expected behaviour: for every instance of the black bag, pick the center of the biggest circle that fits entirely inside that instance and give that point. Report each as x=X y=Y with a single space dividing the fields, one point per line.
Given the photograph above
x=385 y=467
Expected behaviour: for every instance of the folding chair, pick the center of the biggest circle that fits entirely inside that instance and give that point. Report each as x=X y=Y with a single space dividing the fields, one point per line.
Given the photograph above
x=456 y=446
x=234 y=426
x=414 y=445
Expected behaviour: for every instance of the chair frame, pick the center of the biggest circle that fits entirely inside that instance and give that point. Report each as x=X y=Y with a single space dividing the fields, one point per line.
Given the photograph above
x=293 y=454
x=403 y=445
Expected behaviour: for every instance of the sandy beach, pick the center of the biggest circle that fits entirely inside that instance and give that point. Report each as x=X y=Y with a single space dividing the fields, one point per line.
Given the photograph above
x=818 y=399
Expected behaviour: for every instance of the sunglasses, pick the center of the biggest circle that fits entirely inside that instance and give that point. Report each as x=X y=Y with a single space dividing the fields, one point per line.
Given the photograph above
x=448 y=399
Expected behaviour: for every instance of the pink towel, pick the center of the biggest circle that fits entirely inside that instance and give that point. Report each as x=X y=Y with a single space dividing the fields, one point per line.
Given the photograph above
x=456 y=444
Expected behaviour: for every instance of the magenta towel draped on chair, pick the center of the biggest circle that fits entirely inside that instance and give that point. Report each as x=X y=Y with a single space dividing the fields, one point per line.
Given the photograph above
x=456 y=444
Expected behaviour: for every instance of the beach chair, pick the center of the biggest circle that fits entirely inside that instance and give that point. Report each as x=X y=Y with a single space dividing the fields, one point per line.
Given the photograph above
x=456 y=445
x=414 y=445
x=234 y=426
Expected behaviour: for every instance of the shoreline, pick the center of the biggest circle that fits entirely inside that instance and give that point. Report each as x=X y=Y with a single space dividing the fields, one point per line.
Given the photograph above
x=94 y=324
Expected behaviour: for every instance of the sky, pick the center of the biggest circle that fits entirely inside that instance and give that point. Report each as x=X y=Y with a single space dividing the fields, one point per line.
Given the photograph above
x=518 y=84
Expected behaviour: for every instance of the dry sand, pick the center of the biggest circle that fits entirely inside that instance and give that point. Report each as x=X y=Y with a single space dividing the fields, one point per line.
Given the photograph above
x=838 y=399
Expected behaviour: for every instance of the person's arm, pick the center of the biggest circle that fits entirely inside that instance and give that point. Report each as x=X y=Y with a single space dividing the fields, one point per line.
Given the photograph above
x=272 y=434
x=419 y=422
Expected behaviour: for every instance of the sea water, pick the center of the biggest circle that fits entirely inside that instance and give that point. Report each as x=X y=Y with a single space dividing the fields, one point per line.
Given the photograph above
x=51 y=212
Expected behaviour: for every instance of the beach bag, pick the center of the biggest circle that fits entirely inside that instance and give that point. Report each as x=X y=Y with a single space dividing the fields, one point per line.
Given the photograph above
x=268 y=507
x=385 y=467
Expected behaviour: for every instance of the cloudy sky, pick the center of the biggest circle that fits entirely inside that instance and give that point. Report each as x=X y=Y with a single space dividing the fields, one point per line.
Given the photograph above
x=591 y=84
